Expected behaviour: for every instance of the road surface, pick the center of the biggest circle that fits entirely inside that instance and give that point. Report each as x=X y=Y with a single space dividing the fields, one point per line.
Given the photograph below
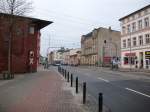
x=123 y=91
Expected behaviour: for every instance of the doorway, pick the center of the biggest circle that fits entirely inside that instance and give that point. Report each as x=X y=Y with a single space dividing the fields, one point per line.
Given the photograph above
x=141 y=60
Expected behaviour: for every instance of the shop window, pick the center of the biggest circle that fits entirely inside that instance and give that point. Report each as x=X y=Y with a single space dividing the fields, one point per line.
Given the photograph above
x=127 y=60
x=147 y=38
x=134 y=41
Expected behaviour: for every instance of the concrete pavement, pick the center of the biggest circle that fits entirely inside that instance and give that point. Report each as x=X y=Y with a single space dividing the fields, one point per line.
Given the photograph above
x=45 y=91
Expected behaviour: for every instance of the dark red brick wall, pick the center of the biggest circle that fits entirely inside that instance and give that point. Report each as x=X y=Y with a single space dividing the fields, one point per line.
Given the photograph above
x=22 y=43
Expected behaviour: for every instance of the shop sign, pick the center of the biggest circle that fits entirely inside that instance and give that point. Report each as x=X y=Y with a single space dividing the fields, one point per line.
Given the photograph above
x=107 y=59
x=130 y=54
x=147 y=54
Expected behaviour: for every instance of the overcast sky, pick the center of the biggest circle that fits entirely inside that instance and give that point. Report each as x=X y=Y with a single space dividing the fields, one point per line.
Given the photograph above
x=73 y=18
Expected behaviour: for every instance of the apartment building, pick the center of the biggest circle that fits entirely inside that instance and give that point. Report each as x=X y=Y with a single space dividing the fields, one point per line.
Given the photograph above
x=100 y=46
x=89 y=50
x=135 y=39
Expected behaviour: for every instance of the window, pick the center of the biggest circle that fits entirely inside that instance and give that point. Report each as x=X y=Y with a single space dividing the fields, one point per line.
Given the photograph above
x=141 y=40
x=146 y=11
x=128 y=28
x=140 y=24
x=133 y=17
x=124 y=43
x=146 y=22
x=123 y=30
x=139 y=14
x=129 y=42
x=134 y=41
x=31 y=30
x=127 y=60
x=147 y=38
x=19 y=32
x=133 y=27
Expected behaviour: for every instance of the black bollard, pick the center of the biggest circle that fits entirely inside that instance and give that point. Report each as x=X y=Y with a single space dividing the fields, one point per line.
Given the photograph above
x=76 y=84
x=71 y=80
x=100 y=102
x=84 y=92
x=59 y=69
x=65 y=74
x=68 y=77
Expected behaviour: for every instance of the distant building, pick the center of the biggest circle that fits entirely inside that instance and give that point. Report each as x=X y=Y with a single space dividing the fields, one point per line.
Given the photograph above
x=55 y=57
x=75 y=56
x=25 y=43
x=51 y=58
x=66 y=57
x=135 y=39
x=100 y=46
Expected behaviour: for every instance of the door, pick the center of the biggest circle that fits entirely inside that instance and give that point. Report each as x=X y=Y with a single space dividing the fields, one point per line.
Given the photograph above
x=141 y=60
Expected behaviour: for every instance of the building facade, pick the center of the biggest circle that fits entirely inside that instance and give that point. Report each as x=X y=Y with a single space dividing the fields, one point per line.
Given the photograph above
x=66 y=57
x=135 y=39
x=51 y=58
x=25 y=43
x=75 y=57
x=100 y=46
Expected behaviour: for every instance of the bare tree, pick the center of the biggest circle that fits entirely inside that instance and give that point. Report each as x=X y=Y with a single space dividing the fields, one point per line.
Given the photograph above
x=14 y=7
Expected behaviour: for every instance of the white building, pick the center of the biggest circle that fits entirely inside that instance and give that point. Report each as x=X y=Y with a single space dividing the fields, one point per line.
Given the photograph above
x=135 y=39
x=58 y=56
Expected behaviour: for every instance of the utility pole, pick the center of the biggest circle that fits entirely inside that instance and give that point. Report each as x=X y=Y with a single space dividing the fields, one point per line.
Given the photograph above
x=130 y=49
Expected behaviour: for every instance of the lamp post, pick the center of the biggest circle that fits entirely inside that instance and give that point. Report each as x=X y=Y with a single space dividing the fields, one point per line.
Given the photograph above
x=130 y=48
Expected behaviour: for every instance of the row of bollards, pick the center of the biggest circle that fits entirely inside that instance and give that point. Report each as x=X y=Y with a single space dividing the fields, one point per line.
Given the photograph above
x=69 y=78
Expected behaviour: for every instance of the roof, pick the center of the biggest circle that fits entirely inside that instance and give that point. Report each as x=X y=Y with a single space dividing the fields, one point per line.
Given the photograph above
x=40 y=23
x=134 y=12
x=88 y=35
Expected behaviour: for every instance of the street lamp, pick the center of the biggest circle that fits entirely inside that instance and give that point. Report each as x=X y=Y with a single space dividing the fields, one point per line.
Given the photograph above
x=130 y=48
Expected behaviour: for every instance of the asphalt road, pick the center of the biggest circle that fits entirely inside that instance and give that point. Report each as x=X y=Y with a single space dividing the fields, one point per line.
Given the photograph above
x=123 y=92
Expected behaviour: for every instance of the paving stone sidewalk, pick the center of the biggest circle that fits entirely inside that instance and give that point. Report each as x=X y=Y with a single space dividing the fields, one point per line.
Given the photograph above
x=38 y=92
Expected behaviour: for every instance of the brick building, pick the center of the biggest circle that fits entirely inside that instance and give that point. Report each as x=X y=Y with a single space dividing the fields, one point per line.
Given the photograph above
x=25 y=40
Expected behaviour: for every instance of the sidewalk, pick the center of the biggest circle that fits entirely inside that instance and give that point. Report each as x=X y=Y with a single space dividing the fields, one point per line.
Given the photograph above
x=43 y=91
x=133 y=70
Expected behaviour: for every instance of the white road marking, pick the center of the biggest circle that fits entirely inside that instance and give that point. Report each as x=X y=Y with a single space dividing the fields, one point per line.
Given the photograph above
x=138 y=92
x=103 y=79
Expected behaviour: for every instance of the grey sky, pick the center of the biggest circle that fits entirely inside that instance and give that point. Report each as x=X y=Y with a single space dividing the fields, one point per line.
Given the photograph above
x=73 y=18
